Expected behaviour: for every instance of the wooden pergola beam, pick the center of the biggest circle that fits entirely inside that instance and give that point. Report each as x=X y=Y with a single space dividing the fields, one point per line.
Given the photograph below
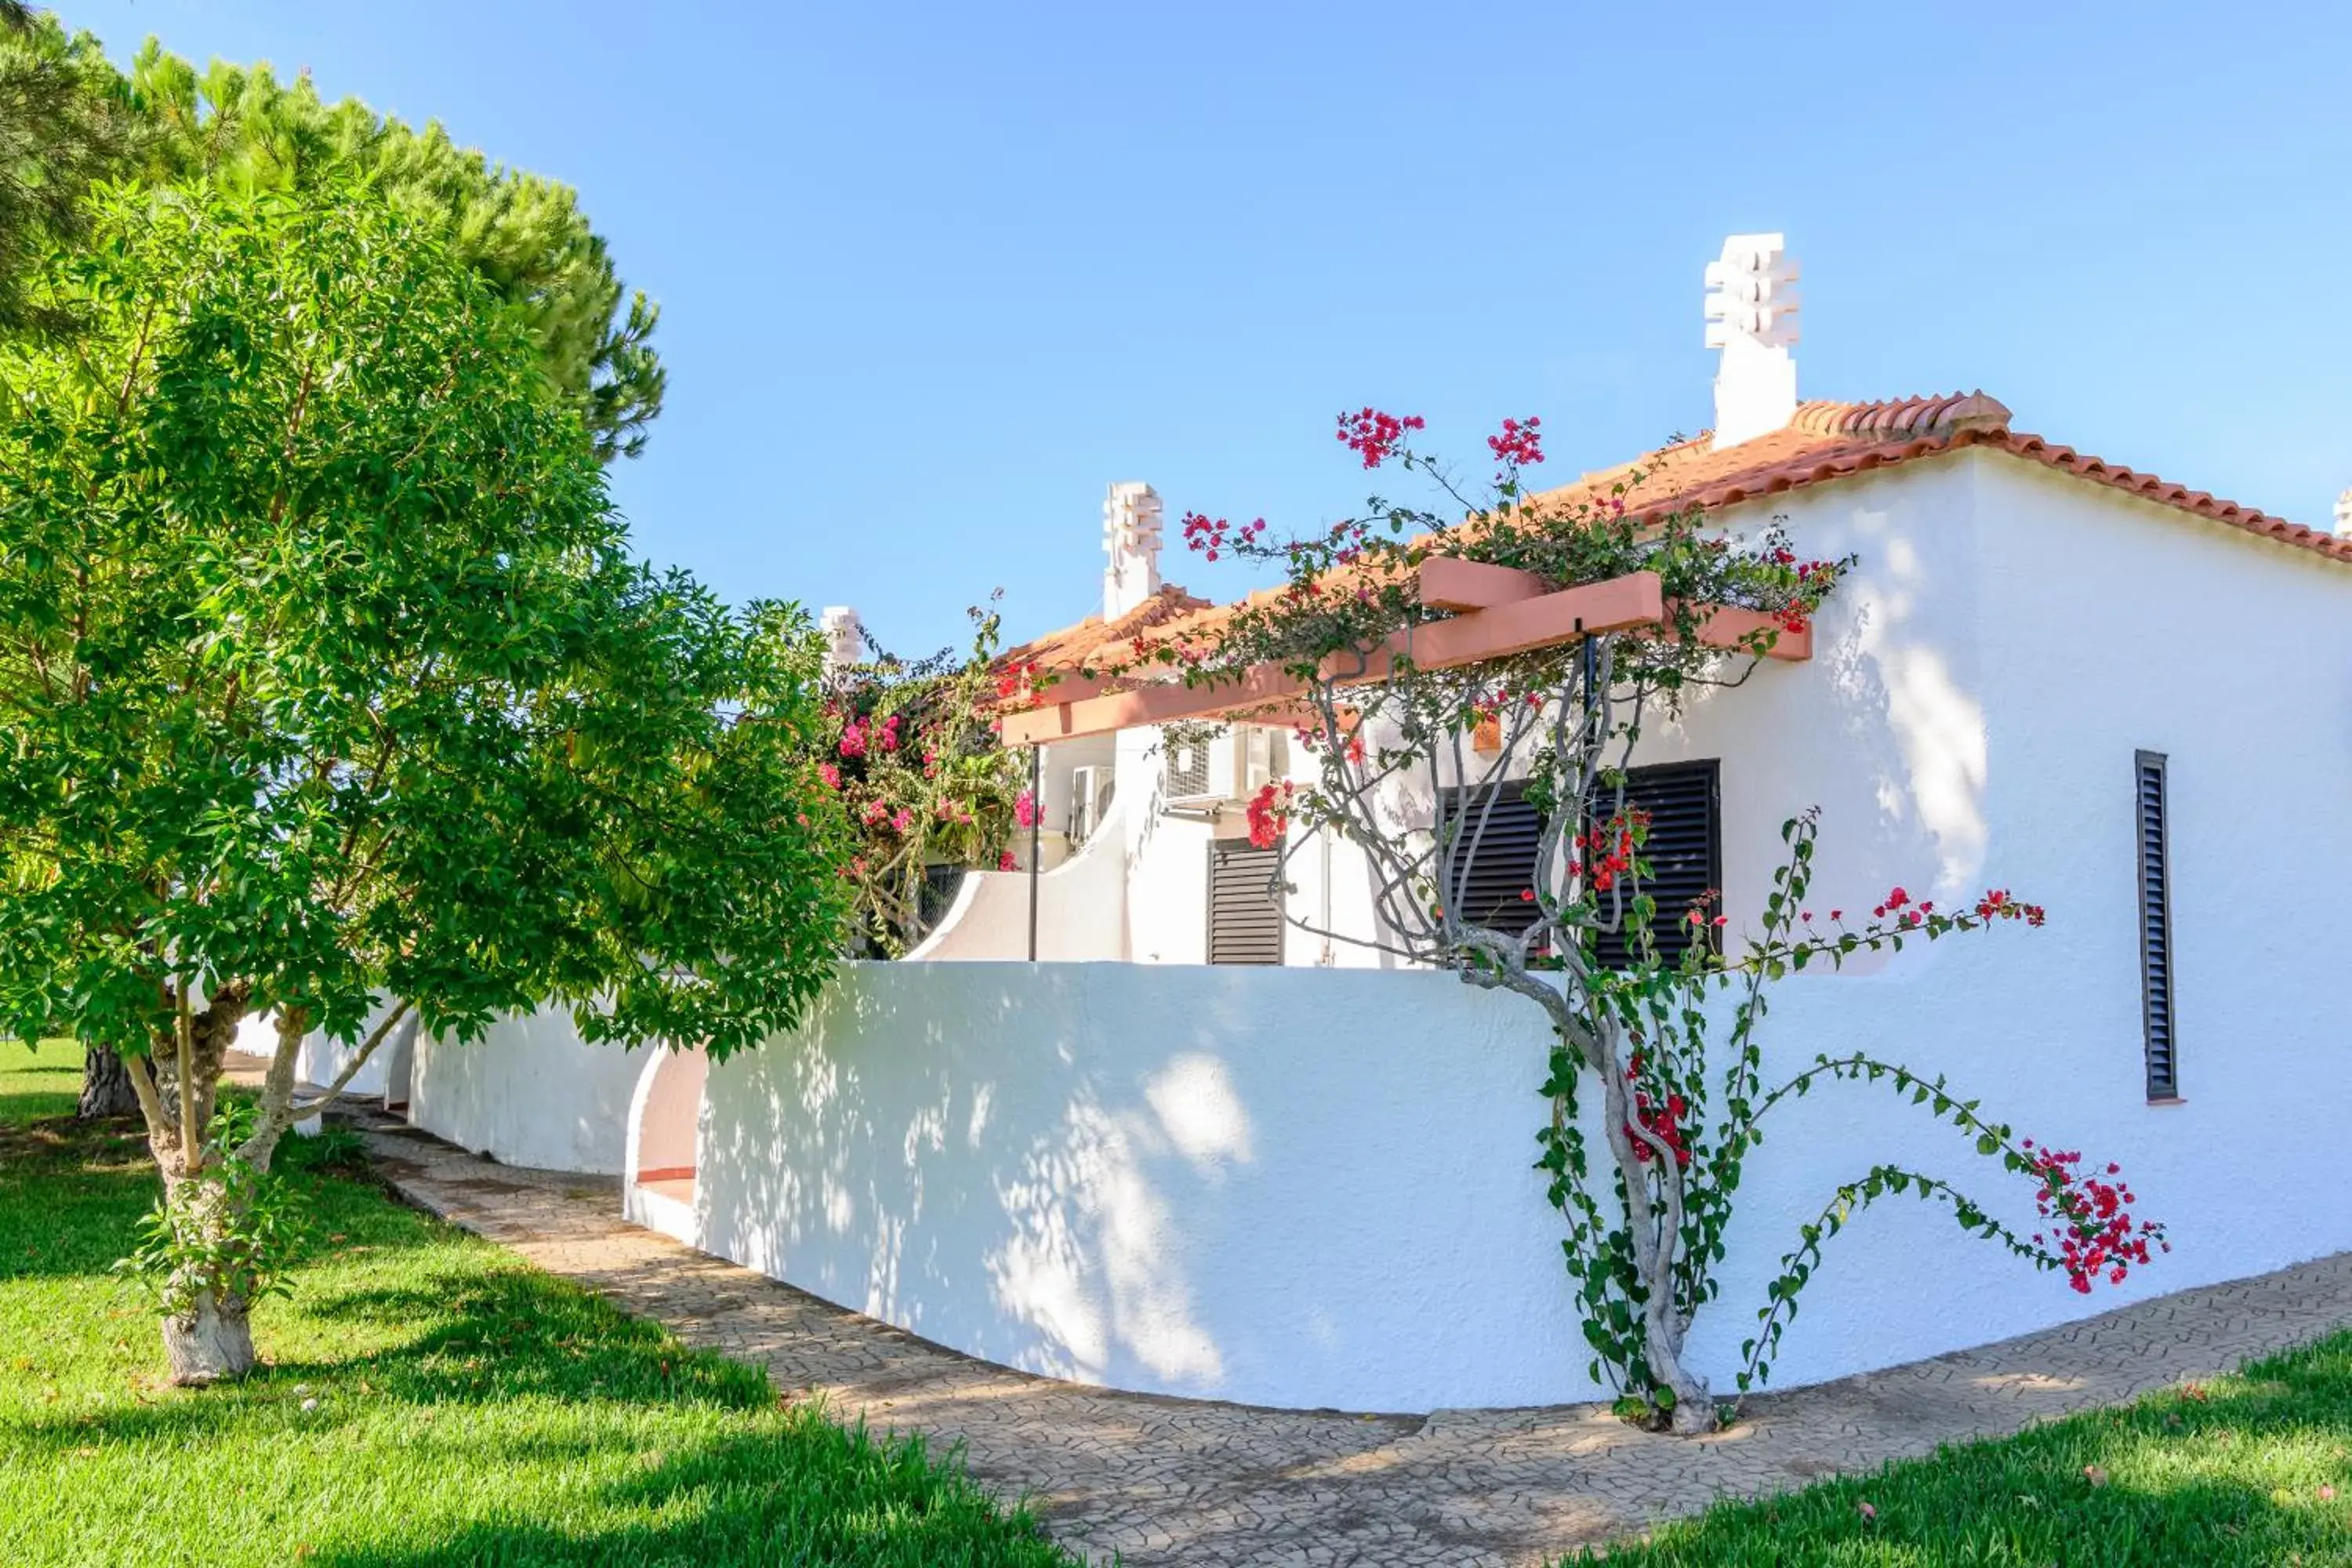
x=1621 y=603
x=1449 y=582
x=1501 y=612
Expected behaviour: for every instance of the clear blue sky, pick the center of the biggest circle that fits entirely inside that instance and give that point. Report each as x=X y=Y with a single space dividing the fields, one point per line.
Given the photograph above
x=933 y=274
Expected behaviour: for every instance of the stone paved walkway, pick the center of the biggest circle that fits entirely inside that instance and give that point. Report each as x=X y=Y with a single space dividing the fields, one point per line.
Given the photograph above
x=1169 y=1481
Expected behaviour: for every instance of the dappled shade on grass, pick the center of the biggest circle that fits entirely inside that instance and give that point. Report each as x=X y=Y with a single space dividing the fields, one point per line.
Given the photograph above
x=2255 y=1469
x=468 y=1409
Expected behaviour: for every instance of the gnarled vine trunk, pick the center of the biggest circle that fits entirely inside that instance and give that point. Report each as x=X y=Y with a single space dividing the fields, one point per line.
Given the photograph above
x=210 y=1343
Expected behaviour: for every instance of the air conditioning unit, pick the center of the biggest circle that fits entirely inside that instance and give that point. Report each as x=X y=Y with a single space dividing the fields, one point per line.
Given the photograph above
x=1091 y=790
x=1258 y=757
x=1190 y=771
x=1233 y=764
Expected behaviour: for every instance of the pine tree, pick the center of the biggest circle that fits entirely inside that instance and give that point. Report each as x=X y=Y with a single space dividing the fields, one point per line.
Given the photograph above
x=523 y=233
x=60 y=128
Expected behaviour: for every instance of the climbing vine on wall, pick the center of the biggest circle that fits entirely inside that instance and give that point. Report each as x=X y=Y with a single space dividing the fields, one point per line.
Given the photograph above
x=912 y=751
x=1654 y=1080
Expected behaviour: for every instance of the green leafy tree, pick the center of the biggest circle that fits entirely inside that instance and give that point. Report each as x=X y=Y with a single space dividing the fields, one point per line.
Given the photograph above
x=325 y=675
x=243 y=129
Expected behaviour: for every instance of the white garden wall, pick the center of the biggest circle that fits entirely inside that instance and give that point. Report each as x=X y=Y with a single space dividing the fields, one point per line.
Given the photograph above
x=320 y=1060
x=1304 y=1187
x=529 y=1092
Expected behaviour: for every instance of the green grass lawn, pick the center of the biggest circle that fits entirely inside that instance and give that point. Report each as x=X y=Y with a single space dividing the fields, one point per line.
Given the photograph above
x=469 y=1409
x=2246 y=1470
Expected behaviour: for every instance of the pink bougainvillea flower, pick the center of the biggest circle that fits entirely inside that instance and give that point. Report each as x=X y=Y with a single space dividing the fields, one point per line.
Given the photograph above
x=1520 y=442
x=1005 y=862
x=1374 y=436
x=1267 y=815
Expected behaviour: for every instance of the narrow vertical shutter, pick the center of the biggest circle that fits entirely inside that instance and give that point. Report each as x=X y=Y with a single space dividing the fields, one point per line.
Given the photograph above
x=1244 y=920
x=2156 y=931
x=1498 y=839
x=1684 y=850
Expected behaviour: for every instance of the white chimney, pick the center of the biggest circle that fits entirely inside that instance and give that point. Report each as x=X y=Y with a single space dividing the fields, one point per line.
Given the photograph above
x=1131 y=540
x=1751 y=316
x=844 y=638
x=2344 y=515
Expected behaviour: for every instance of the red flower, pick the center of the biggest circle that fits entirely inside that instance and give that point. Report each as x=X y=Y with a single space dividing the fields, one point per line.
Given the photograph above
x=1005 y=862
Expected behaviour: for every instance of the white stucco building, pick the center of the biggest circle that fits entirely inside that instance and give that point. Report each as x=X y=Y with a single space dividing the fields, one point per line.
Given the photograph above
x=1181 y=1147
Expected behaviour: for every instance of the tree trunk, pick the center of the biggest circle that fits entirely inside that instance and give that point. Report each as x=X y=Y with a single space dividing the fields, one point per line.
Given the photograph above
x=105 y=1086
x=212 y=1342
x=1693 y=1413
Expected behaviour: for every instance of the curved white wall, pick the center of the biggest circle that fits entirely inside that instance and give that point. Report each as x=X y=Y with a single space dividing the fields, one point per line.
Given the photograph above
x=1081 y=909
x=529 y=1092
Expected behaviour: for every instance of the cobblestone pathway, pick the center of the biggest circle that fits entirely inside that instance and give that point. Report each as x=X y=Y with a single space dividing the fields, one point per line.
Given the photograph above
x=1168 y=1481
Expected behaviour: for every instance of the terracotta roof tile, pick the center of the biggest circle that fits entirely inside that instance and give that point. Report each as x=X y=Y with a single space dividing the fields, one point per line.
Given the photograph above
x=1073 y=645
x=1824 y=442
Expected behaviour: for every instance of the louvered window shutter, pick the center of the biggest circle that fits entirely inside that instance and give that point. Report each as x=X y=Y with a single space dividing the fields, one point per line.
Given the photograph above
x=1498 y=839
x=2156 y=931
x=1684 y=850
x=1244 y=920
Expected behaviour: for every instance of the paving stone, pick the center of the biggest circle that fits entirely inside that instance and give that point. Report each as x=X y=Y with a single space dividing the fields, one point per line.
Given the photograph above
x=1162 y=1481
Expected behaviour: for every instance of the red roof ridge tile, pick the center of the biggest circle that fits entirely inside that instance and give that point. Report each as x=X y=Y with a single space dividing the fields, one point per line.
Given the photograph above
x=1937 y=414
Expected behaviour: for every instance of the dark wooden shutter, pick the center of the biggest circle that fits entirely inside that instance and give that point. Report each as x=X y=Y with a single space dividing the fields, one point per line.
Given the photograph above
x=1244 y=920
x=1499 y=837
x=2156 y=931
x=1684 y=850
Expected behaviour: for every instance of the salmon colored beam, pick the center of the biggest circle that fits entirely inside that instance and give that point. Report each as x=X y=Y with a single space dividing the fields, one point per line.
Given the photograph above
x=1448 y=582
x=1503 y=612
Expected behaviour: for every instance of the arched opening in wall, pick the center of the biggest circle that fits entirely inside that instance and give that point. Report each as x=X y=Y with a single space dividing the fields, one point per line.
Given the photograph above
x=399 y=1067
x=669 y=1114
